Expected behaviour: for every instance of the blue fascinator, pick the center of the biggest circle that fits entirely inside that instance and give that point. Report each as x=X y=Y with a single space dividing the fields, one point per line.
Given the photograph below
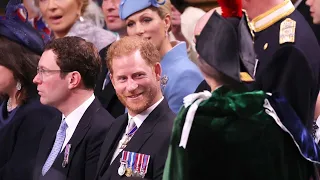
x=18 y=29
x=129 y=7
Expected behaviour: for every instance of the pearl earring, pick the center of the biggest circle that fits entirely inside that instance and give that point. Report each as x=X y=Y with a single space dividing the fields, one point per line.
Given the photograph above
x=18 y=86
x=81 y=19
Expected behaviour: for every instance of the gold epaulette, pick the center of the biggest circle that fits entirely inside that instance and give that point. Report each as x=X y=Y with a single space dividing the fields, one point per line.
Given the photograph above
x=287 y=31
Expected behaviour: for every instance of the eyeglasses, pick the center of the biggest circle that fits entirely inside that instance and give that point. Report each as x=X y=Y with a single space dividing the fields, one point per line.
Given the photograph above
x=41 y=72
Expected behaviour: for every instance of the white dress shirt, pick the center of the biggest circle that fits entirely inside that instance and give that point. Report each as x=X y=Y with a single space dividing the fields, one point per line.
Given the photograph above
x=73 y=119
x=138 y=120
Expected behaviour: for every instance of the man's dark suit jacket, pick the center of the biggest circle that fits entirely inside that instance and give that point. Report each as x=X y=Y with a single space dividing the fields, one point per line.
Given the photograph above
x=107 y=97
x=152 y=138
x=85 y=143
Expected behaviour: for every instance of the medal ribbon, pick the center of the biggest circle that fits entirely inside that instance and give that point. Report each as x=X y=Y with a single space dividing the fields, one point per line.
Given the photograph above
x=133 y=130
x=131 y=163
x=141 y=163
x=124 y=156
x=137 y=165
x=67 y=151
x=145 y=164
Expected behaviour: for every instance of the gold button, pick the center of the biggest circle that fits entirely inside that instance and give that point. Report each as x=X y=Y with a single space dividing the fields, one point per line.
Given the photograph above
x=265 y=46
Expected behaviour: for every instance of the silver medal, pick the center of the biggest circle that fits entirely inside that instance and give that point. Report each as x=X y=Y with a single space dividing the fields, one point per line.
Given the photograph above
x=122 y=169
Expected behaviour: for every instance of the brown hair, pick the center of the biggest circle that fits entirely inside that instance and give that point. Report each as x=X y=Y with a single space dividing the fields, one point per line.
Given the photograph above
x=23 y=64
x=130 y=44
x=76 y=54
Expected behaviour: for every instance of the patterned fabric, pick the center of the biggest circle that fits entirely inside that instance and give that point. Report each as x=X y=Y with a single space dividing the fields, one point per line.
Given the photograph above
x=17 y=29
x=315 y=128
x=87 y=30
x=61 y=135
x=130 y=126
x=38 y=24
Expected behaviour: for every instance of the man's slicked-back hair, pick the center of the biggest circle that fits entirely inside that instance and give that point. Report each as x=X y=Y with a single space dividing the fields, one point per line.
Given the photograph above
x=76 y=54
x=129 y=45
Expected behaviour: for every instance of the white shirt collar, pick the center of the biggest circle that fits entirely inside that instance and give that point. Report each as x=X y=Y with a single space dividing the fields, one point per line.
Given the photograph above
x=74 y=117
x=139 y=118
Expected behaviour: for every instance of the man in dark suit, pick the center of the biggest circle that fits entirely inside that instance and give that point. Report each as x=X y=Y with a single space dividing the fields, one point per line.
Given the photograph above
x=70 y=146
x=287 y=54
x=138 y=141
x=104 y=90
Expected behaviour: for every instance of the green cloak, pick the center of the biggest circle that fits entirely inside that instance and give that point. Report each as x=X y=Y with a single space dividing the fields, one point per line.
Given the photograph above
x=232 y=138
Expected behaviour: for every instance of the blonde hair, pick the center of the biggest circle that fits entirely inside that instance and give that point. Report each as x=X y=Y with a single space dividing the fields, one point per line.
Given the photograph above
x=85 y=3
x=130 y=44
x=165 y=9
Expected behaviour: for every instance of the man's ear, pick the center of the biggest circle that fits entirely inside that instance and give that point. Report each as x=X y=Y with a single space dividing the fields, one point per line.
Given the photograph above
x=74 y=79
x=158 y=70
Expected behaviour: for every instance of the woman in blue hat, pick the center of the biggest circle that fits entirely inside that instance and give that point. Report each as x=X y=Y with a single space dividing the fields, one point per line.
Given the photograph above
x=22 y=117
x=151 y=20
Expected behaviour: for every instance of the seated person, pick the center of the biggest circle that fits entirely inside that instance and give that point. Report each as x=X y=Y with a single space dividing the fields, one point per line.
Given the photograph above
x=22 y=117
x=179 y=77
x=231 y=133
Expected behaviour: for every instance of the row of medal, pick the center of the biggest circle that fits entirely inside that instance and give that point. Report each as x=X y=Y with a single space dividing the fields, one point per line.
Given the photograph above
x=133 y=164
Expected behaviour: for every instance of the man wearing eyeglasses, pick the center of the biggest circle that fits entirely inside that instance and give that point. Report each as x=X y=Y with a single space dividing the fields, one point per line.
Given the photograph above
x=66 y=77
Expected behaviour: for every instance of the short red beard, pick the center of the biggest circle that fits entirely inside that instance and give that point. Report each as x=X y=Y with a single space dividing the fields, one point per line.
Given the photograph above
x=148 y=98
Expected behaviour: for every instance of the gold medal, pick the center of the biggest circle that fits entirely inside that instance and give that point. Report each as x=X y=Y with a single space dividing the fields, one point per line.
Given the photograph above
x=128 y=172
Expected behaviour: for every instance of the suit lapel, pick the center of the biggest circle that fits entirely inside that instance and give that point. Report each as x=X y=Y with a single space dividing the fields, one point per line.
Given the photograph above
x=82 y=128
x=146 y=129
x=112 y=139
x=140 y=137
